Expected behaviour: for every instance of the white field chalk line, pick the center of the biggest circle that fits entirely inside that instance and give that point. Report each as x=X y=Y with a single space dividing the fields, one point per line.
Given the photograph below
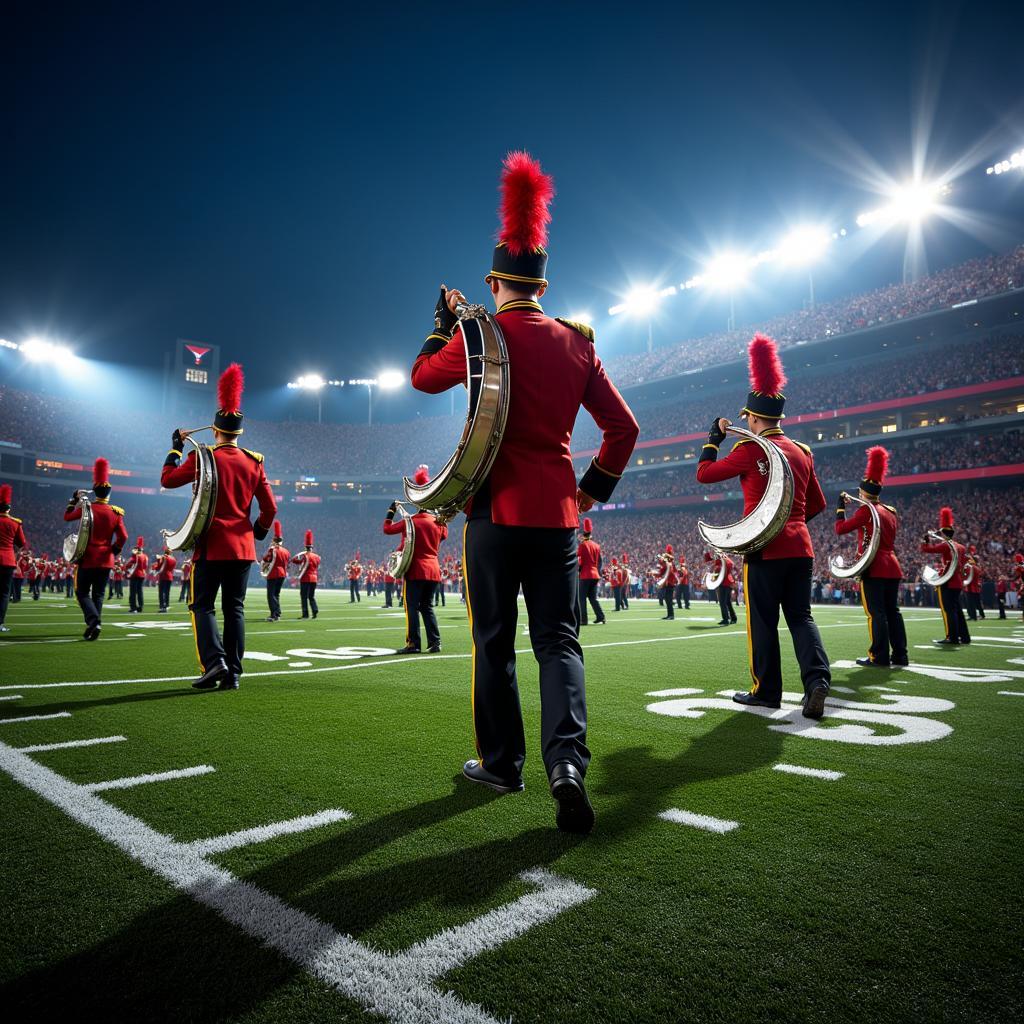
x=141 y=780
x=37 y=748
x=65 y=640
x=1010 y=693
x=380 y=662
x=262 y=833
x=383 y=984
x=13 y=696
x=814 y=773
x=702 y=821
x=35 y=718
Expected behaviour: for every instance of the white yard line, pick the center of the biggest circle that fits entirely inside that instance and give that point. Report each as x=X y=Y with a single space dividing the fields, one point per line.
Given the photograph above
x=1010 y=693
x=13 y=696
x=38 y=748
x=141 y=780
x=262 y=833
x=701 y=821
x=35 y=718
x=66 y=640
x=813 y=773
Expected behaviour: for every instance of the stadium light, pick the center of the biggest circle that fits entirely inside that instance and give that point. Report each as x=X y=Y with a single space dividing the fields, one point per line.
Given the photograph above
x=910 y=204
x=582 y=318
x=642 y=302
x=391 y=379
x=726 y=272
x=1012 y=162
x=309 y=382
x=39 y=350
x=4 y=343
x=803 y=245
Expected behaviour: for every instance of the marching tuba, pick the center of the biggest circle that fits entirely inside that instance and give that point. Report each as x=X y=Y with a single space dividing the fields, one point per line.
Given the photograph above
x=267 y=563
x=203 y=503
x=969 y=573
x=661 y=581
x=712 y=581
x=837 y=563
x=400 y=561
x=765 y=522
x=931 y=575
x=76 y=543
x=487 y=385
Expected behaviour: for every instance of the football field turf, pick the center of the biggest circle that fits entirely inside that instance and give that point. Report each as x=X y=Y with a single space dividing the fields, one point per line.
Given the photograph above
x=305 y=849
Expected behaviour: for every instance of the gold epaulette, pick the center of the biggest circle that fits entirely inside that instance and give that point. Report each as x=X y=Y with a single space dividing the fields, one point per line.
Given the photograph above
x=117 y=509
x=805 y=448
x=258 y=456
x=13 y=519
x=585 y=329
x=742 y=440
x=891 y=509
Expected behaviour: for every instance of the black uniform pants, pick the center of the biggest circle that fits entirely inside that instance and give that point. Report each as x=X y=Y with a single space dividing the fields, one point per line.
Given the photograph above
x=389 y=595
x=683 y=596
x=307 y=594
x=953 y=615
x=164 y=593
x=666 y=595
x=230 y=578
x=18 y=582
x=768 y=585
x=439 y=595
x=1000 y=600
x=886 y=631
x=6 y=575
x=616 y=593
x=353 y=590
x=625 y=596
x=183 y=593
x=588 y=592
x=498 y=560
x=419 y=600
x=274 y=586
x=90 y=586
x=974 y=609
x=135 y=594
x=725 y=603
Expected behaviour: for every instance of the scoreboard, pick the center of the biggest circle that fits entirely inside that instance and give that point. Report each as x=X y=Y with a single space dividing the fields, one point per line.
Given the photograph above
x=196 y=365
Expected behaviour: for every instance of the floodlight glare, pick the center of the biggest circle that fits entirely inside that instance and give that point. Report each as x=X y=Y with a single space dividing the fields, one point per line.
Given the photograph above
x=391 y=379
x=641 y=301
x=910 y=204
x=803 y=244
x=727 y=270
x=39 y=350
x=582 y=318
x=1014 y=160
x=310 y=382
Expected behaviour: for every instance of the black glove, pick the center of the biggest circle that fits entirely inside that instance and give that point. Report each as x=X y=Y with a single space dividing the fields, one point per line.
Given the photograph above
x=842 y=499
x=392 y=509
x=444 y=319
x=259 y=532
x=177 y=441
x=715 y=436
x=73 y=500
x=117 y=551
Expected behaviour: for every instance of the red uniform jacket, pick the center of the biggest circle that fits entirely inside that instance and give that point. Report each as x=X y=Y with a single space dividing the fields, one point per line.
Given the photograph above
x=885 y=565
x=11 y=536
x=309 y=574
x=553 y=370
x=957 y=580
x=589 y=557
x=167 y=567
x=747 y=462
x=1018 y=572
x=139 y=564
x=279 y=567
x=186 y=570
x=729 y=580
x=429 y=536
x=240 y=479
x=974 y=587
x=673 y=576
x=108 y=532
x=356 y=571
x=684 y=575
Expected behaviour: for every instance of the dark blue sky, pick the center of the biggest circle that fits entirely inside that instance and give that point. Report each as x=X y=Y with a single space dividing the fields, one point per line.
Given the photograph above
x=293 y=187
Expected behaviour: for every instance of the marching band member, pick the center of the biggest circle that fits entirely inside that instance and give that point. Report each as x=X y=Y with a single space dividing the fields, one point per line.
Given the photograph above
x=588 y=556
x=779 y=575
x=32 y=575
x=135 y=570
x=280 y=557
x=668 y=577
x=12 y=535
x=880 y=584
x=949 y=593
x=626 y=582
x=683 y=586
x=1018 y=578
x=972 y=590
x=310 y=561
x=106 y=539
x=521 y=524
x=724 y=592
x=1000 y=596
x=18 y=580
x=164 y=568
x=186 y=575
x=225 y=552
x=424 y=574
x=389 y=589
x=614 y=577
x=355 y=570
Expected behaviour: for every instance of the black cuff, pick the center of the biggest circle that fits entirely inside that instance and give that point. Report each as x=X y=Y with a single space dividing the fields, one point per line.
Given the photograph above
x=841 y=513
x=172 y=458
x=117 y=551
x=709 y=453
x=390 y=516
x=259 y=532
x=434 y=343
x=598 y=483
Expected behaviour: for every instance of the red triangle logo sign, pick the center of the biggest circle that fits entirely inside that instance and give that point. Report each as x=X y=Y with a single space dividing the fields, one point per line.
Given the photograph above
x=198 y=352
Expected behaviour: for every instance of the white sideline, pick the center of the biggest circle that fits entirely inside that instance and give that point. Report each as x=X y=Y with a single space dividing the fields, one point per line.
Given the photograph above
x=1010 y=693
x=382 y=984
x=13 y=696
x=141 y=780
x=704 y=821
x=35 y=718
x=261 y=833
x=38 y=748
x=814 y=773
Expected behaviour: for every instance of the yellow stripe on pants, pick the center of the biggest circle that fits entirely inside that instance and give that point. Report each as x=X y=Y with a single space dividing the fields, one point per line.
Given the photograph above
x=945 y=617
x=192 y=614
x=871 y=632
x=472 y=640
x=750 y=638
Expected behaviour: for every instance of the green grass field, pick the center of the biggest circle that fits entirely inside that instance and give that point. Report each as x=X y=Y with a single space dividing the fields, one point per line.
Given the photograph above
x=890 y=893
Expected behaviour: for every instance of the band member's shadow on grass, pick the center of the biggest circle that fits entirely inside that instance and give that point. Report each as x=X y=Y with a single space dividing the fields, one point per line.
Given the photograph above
x=99 y=702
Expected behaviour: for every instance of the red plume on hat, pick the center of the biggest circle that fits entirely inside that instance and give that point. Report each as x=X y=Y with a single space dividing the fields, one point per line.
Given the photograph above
x=526 y=194
x=588 y=525
x=766 y=374
x=972 y=549
x=101 y=473
x=140 y=542
x=1018 y=558
x=5 y=494
x=229 y=389
x=615 y=561
x=309 y=538
x=277 y=528
x=945 y=518
x=422 y=476
x=625 y=557
x=668 y=549
x=878 y=464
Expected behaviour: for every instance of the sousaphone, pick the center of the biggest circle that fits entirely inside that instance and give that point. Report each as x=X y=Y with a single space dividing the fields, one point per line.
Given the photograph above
x=713 y=580
x=267 y=563
x=662 y=581
x=487 y=386
x=837 y=563
x=968 y=574
x=400 y=561
x=203 y=503
x=766 y=520
x=931 y=575
x=75 y=544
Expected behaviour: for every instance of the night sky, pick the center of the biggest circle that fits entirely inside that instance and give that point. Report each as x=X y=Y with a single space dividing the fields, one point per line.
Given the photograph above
x=294 y=186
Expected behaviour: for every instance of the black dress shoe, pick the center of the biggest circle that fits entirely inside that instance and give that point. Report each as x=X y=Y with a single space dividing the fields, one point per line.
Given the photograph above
x=900 y=664
x=408 y=650
x=229 y=682
x=724 y=622
x=814 y=702
x=436 y=649
x=667 y=618
x=574 y=814
x=868 y=663
x=732 y=622
x=752 y=700
x=211 y=677
x=476 y=772
x=945 y=643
